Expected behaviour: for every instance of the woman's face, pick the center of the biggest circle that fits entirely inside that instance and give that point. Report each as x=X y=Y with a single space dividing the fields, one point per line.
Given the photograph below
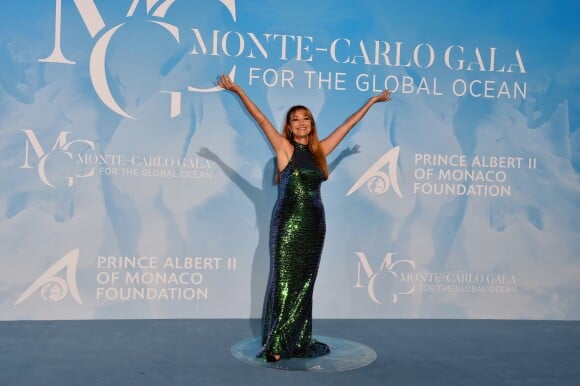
x=300 y=124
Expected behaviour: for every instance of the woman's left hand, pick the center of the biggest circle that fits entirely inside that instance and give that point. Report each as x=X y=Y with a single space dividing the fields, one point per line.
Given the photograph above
x=385 y=96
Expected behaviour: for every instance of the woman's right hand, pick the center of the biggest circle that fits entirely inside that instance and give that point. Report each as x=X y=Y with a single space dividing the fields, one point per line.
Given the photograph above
x=226 y=82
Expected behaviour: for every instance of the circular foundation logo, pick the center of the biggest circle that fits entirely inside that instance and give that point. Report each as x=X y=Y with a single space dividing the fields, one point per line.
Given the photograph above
x=54 y=290
x=378 y=185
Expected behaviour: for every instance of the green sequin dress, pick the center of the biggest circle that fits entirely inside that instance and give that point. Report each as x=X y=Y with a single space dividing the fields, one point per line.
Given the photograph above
x=297 y=236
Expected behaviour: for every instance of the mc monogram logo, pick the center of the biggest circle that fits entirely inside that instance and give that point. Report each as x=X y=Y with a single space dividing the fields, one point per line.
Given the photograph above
x=62 y=147
x=102 y=34
x=388 y=273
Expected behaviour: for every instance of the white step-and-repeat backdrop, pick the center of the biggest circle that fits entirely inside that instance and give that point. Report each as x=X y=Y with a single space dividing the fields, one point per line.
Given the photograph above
x=132 y=187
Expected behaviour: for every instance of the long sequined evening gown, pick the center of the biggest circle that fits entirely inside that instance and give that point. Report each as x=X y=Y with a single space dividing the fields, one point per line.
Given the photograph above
x=298 y=229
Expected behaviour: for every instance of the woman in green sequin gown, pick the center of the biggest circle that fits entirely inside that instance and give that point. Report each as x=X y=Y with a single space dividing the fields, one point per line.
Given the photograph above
x=298 y=224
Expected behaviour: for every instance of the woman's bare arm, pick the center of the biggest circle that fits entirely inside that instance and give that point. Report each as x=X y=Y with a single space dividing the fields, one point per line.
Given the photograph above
x=277 y=140
x=331 y=142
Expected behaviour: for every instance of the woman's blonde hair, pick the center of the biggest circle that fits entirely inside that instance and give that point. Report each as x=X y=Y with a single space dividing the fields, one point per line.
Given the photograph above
x=313 y=142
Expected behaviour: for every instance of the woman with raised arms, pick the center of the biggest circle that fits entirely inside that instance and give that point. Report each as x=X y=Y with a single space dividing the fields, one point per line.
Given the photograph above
x=298 y=224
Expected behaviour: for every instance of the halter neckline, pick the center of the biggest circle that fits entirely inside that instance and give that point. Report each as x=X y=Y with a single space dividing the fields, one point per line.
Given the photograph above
x=299 y=144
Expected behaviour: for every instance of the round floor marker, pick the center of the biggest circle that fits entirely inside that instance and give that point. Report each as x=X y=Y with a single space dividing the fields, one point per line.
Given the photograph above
x=344 y=355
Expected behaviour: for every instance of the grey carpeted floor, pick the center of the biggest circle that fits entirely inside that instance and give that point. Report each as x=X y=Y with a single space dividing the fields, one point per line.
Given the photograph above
x=197 y=352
